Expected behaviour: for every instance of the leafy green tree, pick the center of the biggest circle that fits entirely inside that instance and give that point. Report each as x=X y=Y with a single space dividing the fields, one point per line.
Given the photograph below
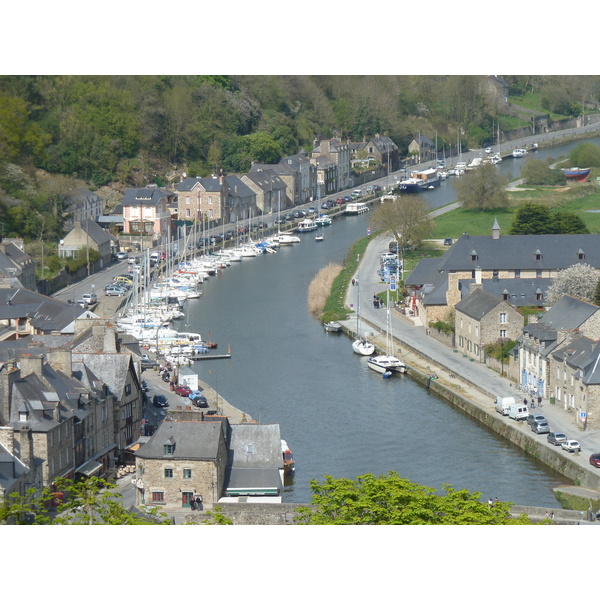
x=392 y=500
x=596 y=298
x=538 y=172
x=482 y=189
x=532 y=219
x=585 y=155
x=94 y=501
x=29 y=509
x=406 y=219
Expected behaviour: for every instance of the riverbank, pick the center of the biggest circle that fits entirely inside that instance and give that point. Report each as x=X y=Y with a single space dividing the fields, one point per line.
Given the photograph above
x=470 y=387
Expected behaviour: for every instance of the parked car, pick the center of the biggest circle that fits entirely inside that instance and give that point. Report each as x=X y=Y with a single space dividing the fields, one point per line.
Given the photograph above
x=595 y=459
x=147 y=362
x=339 y=201
x=183 y=390
x=448 y=242
x=90 y=298
x=82 y=303
x=571 y=446
x=534 y=418
x=540 y=427
x=198 y=399
x=160 y=400
x=114 y=290
x=122 y=255
x=555 y=438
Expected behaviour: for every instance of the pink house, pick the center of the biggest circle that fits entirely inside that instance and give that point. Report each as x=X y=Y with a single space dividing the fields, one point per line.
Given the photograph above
x=145 y=210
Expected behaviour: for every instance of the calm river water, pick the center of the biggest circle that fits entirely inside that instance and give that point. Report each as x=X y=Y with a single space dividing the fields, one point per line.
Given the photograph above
x=339 y=417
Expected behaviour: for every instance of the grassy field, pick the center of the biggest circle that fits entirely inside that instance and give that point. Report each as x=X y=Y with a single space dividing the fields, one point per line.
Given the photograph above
x=579 y=200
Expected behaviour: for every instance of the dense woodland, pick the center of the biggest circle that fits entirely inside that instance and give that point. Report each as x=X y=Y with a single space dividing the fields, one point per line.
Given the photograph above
x=125 y=131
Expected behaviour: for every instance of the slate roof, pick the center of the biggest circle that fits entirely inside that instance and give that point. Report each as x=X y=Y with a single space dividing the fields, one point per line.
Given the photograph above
x=568 y=313
x=478 y=304
x=44 y=313
x=519 y=252
x=255 y=445
x=11 y=469
x=238 y=188
x=267 y=180
x=198 y=440
x=149 y=196
x=209 y=184
x=521 y=292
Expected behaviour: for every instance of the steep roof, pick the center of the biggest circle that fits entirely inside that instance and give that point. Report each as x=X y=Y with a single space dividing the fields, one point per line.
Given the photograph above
x=148 y=196
x=525 y=252
x=568 y=313
x=197 y=440
x=478 y=304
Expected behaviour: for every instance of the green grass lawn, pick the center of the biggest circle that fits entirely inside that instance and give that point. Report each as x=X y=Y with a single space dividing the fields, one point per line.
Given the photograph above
x=577 y=200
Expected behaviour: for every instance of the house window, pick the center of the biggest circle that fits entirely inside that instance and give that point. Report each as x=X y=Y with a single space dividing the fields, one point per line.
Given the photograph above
x=517 y=273
x=503 y=333
x=187 y=473
x=210 y=200
x=580 y=255
x=168 y=473
x=168 y=449
x=505 y=297
x=187 y=199
x=539 y=296
x=476 y=349
x=468 y=345
x=187 y=212
x=538 y=256
x=158 y=496
x=502 y=318
x=128 y=389
x=538 y=273
x=24 y=416
x=474 y=257
x=461 y=341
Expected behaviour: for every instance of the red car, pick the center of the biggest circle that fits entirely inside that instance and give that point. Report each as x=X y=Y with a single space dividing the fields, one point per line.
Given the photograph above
x=183 y=390
x=595 y=459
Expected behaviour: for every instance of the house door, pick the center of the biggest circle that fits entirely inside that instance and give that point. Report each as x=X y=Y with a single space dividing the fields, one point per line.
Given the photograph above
x=185 y=499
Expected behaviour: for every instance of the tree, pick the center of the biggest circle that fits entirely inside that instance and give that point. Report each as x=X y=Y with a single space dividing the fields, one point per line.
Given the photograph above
x=585 y=155
x=596 y=299
x=566 y=223
x=405 y=218
x=579 y=281
x=531 y=219
x=92 y=501
x=538 y=172
x=392 y=500
x=482 y=189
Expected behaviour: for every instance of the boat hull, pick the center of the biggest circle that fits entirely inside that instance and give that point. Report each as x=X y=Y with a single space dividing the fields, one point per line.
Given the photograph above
x=383 y=364
x=576 y=174
x=332 y=326
x=363 y=348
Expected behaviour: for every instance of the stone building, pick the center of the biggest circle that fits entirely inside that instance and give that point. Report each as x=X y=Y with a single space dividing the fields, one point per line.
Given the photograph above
x=146 y=213
x=269 y=188
x=181 y=461
x=482 y=319
x=554 y=329
x=575 y=372
x=16 y=263
x=337 y=152
x=80 y=205
x=88 y=234
x=423 y=147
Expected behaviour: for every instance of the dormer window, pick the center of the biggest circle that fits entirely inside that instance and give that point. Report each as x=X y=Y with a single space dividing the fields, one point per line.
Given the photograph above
x=580 y=254
x=169 y=447
x=538 y=255
x=474 y=257
x=24 y=416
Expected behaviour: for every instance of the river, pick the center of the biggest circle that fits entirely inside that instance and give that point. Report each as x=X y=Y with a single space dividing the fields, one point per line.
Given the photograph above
x=338 y=417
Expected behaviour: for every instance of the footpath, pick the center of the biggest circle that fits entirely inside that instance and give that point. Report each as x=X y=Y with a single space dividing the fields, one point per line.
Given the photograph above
x=474 y=383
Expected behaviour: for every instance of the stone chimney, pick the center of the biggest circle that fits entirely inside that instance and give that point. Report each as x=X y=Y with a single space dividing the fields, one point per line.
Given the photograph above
x=110 y=341
x=61 y=360
x=26 y=453
x=8 y=375
x=453 y=292
x=32 y=363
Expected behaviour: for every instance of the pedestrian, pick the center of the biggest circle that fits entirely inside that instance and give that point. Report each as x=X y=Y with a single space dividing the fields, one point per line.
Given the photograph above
x=539 y=401
x=495 y=499
x=532 y=403
x=353 y=282
x=490 y=503
x=193 y=503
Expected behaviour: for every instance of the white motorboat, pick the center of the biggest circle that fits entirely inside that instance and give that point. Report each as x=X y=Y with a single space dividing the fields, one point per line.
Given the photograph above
x=333 y=326
x=519 y=152
x=306 y=225
x=323 y=221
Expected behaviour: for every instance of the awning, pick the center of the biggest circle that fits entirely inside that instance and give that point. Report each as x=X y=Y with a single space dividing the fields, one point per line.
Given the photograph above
x=89 y=468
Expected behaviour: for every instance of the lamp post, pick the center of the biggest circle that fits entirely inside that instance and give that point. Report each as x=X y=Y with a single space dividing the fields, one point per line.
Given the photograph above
x=217 y=390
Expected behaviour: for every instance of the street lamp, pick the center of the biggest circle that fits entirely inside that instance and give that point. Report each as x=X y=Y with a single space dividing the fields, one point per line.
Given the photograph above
x=217 y=390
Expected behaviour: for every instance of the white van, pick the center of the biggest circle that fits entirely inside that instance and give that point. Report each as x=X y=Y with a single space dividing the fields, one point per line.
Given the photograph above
x=518 y=412
x=503 y=403
x=357 y=193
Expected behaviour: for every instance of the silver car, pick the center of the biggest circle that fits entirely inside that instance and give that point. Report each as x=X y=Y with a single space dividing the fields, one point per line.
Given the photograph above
x=556 y=439
x=540 y=427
